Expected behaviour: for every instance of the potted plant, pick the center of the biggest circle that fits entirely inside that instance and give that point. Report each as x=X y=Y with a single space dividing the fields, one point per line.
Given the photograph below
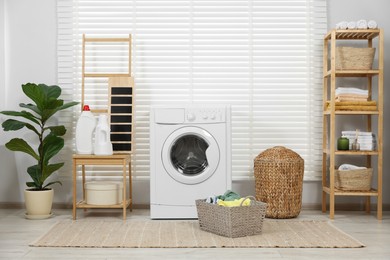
x=35 y=117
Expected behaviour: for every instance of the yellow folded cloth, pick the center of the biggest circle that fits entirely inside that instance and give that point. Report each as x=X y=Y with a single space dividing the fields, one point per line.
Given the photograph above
x=234 y=203
x=354 y=105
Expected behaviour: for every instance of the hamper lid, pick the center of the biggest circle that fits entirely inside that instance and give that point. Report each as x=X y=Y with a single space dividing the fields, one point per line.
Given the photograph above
x=279 y=153
x=102 y=185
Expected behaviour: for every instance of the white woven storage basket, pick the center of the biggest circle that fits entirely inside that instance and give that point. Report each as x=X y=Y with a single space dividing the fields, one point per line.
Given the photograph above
x=237 y=221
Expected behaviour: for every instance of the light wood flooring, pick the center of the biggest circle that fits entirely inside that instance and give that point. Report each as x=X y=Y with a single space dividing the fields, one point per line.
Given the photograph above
x=16 y=233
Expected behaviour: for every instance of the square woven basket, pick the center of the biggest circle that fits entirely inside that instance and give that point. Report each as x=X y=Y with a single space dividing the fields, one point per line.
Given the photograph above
x=237 y=221
x=351 y=58
x=353 y=180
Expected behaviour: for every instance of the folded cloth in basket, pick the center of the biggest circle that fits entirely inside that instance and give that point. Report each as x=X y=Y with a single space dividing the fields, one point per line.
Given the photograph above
x=229 y=196
x=235 y=203
x=348 y=167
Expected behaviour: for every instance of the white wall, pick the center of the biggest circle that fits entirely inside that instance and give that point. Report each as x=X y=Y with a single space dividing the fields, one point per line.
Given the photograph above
x=29 y=55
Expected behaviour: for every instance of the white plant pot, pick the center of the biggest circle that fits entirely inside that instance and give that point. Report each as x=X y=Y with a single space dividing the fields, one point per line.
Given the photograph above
x=38 y=203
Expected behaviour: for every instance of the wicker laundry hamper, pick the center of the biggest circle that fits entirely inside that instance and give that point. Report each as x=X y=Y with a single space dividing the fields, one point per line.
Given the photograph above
x=279 y=179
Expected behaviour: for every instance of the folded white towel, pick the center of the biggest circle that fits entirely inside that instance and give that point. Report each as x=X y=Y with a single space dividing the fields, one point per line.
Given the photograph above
x=351 y=25
x=346 y=167
x=343 y=25
x=361 y=24
x=372 y=24
x=348 y=90
x=353 y=133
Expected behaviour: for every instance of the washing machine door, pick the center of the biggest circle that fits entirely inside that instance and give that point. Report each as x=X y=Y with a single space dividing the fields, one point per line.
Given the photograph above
x=190 y=155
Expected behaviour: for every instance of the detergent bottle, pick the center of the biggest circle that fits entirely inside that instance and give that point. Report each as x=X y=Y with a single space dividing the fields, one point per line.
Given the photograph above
x=103 y=145
x=84 y=131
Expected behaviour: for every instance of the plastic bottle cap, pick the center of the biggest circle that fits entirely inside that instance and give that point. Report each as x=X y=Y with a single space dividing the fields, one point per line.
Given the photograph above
x=86 y=108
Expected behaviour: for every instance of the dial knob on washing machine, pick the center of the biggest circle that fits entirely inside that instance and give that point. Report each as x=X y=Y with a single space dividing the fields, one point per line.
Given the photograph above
x=190 y=117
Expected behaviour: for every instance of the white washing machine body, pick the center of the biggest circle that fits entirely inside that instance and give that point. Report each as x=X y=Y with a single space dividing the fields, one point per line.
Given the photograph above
x=190 y=158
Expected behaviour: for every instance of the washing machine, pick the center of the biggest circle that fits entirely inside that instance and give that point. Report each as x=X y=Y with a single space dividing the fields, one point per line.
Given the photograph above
x=190 y=158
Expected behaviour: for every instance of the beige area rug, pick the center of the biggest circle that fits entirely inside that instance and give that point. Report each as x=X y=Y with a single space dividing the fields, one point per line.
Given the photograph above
x=187 y=234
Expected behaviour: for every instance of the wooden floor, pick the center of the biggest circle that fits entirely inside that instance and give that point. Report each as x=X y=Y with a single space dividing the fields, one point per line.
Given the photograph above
x=16 y=233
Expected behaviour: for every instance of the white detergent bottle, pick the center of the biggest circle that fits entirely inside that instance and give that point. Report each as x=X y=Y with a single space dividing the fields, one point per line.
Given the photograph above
x=84 y=131
x=103 y=145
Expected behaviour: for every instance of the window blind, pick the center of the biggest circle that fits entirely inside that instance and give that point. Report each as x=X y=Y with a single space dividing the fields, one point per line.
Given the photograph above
x=264 y=58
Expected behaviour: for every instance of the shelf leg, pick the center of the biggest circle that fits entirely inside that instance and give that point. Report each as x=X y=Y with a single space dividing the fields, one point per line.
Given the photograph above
x=130 y=186
x=124 y=202
x=331 y=205
x=83 y=183
x=379 y=207
x=74 y=189
x=368 y=204
x=323 y=201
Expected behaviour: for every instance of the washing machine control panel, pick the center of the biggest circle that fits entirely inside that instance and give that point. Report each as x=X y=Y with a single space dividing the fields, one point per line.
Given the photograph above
x=205 y=115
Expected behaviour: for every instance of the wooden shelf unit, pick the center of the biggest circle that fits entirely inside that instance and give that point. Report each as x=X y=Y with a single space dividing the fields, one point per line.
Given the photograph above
x=117 y=83
x=329 y=116
x=82 y=160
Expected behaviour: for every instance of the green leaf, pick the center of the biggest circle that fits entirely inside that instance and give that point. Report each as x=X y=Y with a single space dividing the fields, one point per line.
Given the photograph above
x=36 y=175
x=51 y=183
x=36 y=94
x=57 y=130
x=51 y=92
x=31 y=107
x=13 y=125
x=19 y=145
x=24 y=114
x=67 y=105
x=31 y=184
x=49 y=169
x=51 y=146
x=51 y=109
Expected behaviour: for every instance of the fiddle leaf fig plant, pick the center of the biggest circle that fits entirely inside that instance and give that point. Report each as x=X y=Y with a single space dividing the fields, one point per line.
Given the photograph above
x=46 y=103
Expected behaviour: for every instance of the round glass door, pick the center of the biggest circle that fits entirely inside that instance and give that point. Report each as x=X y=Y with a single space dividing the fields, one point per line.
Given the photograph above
x=190 y=155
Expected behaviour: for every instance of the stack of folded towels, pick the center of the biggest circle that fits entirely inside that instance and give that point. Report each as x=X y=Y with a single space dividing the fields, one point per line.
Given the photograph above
x=354 y=99
x=361 y=24
x=366 y=140
x=351 y=94
x=229 y=199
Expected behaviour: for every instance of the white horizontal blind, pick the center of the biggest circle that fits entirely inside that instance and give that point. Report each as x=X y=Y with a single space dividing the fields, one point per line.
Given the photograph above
x=261 y=57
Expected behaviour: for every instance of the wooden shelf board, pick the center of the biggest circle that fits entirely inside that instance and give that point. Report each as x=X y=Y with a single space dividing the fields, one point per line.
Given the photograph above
x=353 y=73
x=357 y=34
x=337 y=192
x=107 y=39
x=83 y=205
x=105 y=75
x=347 y=112
x=326 y=151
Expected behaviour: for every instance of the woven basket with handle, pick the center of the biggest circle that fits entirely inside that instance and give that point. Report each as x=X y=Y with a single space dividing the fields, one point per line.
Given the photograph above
x=237 y=221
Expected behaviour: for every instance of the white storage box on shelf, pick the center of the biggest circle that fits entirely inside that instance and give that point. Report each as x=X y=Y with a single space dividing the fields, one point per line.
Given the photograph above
x=103 y=193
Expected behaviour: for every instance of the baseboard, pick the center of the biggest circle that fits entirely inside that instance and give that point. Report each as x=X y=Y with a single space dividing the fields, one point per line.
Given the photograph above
x=340 y=206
